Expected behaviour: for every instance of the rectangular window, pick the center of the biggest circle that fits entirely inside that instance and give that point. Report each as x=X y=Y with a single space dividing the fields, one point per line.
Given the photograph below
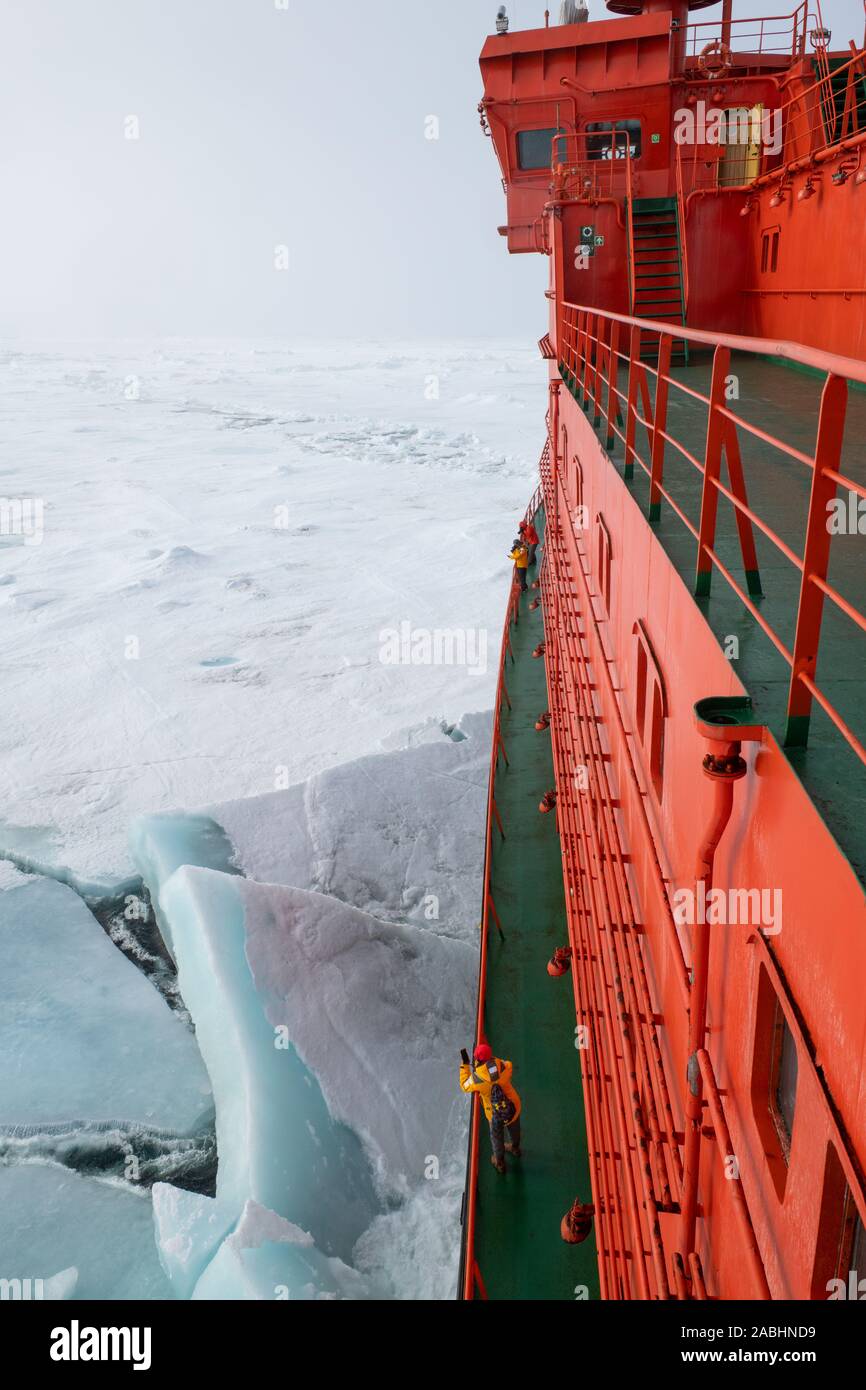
x=611 y=139
x=535 y=148
x=770 y=250
x=605 y=556
x=841 y=1245
x=774 y=1080
x=650 y=709
x=783 y=1095
x=657 y=742
x=857 y=1258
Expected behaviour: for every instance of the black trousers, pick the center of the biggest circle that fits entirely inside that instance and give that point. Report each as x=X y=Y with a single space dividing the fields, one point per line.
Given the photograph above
x=499 y=1132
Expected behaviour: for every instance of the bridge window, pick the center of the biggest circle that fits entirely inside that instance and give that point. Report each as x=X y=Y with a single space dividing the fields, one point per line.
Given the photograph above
x=535 y=147
x=611 y=139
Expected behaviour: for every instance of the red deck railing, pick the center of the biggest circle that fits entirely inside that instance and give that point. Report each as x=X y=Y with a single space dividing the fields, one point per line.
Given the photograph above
x=810 y=125
x=783 y=34
x=594 y=345
x=591 y=164
x=471 y=1278
x=636 y=1158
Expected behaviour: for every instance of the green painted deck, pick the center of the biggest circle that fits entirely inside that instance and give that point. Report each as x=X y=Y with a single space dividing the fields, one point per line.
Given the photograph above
x=530 y=1019
x=784 y=402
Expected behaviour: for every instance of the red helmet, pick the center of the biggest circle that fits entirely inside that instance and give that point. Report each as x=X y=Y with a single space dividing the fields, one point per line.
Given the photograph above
x=483 y=1053
x=522 y=526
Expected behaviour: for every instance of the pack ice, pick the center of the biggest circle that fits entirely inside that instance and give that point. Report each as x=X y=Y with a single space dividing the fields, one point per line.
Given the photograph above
x=79 y=1238
x=83 y=1035
x=329 y=1034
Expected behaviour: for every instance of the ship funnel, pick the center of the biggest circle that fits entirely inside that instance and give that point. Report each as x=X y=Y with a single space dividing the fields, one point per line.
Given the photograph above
x=678 y=8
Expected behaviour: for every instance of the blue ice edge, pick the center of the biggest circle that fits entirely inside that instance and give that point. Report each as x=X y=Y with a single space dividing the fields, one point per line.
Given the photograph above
x=278 y=1145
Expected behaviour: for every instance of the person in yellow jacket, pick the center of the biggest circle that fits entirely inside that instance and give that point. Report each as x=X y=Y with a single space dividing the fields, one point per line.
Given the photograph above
x=491 y=1078
x=520 y=556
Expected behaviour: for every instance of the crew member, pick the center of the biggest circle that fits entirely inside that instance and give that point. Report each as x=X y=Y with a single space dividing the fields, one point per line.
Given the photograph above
x=530 y=538
x=491 y=1078
x=520 y=556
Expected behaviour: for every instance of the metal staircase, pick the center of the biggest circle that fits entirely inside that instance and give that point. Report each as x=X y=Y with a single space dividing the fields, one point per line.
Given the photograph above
x=656 y=271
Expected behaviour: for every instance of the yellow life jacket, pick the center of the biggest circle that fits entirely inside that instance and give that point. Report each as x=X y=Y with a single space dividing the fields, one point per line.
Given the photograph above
x=484 y=1076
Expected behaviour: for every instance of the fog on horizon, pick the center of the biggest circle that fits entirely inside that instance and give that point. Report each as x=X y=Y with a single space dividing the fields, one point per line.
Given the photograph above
x=246 y=168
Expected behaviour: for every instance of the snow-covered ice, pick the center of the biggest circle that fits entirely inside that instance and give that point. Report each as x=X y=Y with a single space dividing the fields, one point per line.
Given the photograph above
x=228 y=529
x=198 y=691
x=396 y=834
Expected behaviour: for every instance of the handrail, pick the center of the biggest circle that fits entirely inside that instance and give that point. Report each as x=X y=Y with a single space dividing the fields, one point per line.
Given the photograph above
x=469 y=1274
x=586 y=345
x=590 y=165
x=822 y=92
x=629 y=202
x=681 y=216
x=699 y=33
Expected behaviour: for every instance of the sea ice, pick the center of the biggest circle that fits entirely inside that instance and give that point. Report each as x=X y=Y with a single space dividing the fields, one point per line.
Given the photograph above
x=83 y=1035
x=398 y=834
x=324 y=476
x=267 y=1258
x=98 y=1236
x=278 y=1145
x=189 y=1229
x=319 y=1024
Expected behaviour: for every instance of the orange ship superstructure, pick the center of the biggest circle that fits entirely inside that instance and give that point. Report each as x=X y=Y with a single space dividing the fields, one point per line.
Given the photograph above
x=697 y=182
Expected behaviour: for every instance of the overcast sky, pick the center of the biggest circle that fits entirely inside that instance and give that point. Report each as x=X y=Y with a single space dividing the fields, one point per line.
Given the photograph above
x=260 y=124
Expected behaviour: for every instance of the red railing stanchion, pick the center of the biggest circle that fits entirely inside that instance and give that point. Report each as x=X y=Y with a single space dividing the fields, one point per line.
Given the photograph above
x=816 y=558
x=612 y=383
x=712 y=471
x=660 y=419
x=631 y=403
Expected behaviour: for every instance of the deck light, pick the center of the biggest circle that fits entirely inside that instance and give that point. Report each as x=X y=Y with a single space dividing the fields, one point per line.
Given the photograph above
x=819 y=37
x=840 y=175
x=746 y=208
x=778 y=198
x=502 y=21
x=807 y=191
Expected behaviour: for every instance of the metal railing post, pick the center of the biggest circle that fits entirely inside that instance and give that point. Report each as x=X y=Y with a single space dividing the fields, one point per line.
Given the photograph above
x=631 y=402
x=712 y=472
x=816 y=557
x=660 y=419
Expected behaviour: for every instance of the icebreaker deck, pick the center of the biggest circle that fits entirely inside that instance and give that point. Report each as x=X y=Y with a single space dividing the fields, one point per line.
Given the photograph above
x=704 y=491
x=529 y=1016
